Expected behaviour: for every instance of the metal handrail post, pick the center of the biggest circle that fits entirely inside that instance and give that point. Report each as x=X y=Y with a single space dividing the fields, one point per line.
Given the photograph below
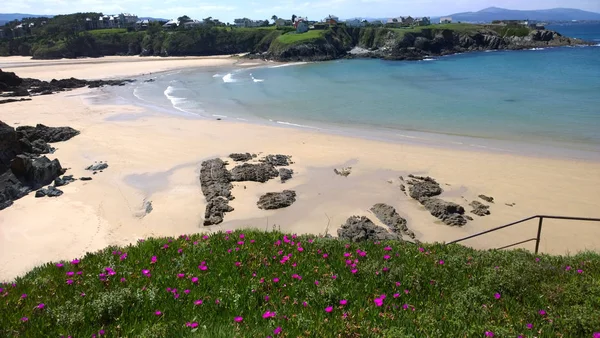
x=539 y=234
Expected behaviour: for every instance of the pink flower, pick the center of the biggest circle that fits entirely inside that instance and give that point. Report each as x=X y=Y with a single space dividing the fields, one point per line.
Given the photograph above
x=186 y=291
x=101 y=333
x=343 y=302
x=192 y=325
x=24 y=319
x=441 y=262
x=329 y=309
x=58 y=265
x=123 y=280
x=194 y=280
x=41 y=306
x=568 y=268
x=497 y=295
x=596 y=335
x=405 y=306
x=180 y=275
x=75 y=261
x=334 y=277
x=387 y=248
x=157 y=313
x=238 y=319
x=153 y=260
x=275 y=280
x=354 y=271
x=198 y=302
x=203 y=267
x=268 y=314
x=23 y=296
x=316 y=282
x=325 y=255
x=386 y=257
x=277 y=330
x=378 y=301
x=69 y=281
x=238 y=263
x=347 y=254
x=489 y=333
x=580 y=271
x=542 y=312
x=305 y=304
x=345 y=315
x=70 y=273
x=529 y=326
x=396 y=295
x=421 y=249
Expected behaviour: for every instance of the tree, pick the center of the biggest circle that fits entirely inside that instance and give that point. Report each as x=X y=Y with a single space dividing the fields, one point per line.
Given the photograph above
x=274 y=18
x=294 y=18
x=183 y=19
x=208 y=21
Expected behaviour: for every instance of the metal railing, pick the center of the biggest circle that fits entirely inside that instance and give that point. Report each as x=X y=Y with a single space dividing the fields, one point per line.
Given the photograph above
x=539 y=230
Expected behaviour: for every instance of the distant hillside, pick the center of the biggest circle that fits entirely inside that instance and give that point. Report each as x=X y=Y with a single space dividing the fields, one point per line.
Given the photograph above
x=495 y=13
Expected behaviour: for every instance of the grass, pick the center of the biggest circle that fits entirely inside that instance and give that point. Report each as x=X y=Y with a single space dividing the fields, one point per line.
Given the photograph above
x=293 y=37
x=259 y=284
x=107 y=31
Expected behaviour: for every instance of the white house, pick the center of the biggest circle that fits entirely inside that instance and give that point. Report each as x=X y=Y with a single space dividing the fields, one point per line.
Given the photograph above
x=355 y=23
x=171 y=24
x=446 y=19
x=193 y=23
x=245 y=22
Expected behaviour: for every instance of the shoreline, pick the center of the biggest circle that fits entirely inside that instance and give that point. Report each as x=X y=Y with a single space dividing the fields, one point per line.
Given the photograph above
x=156 y=158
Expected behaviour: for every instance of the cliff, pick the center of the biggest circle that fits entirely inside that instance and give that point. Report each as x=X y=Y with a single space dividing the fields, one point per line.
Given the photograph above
x=414 y=44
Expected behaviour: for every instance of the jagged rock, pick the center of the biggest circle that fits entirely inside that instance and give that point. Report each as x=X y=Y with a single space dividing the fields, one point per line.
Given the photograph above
x=359 y=229
x=97 y=166
x=468 y=217
x=49 y=192
x=36 y=173
x=60 y=181
x=479 y=208
x=11 y=188
x=487 y=198
x=285 y=174
x=10 y=79
x=216 y=209
x=46 y=134
x=450 y=213
x=241 y=157
x=277 y=200
x=85 y=178
x=277 y=160
x=261 y=172
x=9 y=146
x=216 y=187
x=343 y=172
x=423 y=187
x=403 y=188
x=41 y=147
x=388 y=216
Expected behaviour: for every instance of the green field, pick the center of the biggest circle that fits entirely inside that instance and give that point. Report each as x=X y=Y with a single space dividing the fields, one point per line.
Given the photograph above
x=259 y=284
x=293 y=37
x=108 y=31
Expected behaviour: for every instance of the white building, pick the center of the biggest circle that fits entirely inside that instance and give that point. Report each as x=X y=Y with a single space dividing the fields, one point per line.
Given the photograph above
x=171 y=24
x=446 y=19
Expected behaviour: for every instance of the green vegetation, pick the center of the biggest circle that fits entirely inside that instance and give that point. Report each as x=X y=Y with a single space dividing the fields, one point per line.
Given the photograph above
x=511 y=30
x=108 y=31
x=258 y=284
x=293 y=37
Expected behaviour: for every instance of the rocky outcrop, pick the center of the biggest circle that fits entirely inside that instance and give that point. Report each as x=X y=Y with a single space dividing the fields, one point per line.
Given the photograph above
x=50 y=191
x=260 y=172
x=388 y=216
x=277 y=200
x=60 y=181
x=423 y=187
x=359 y=229
x=479 y=208
x=241 y=157
x=285 y=174
x=345 y=172
x=448 y=212
x=35 y=172
x=10 y=146
x=47 y=134
x=13 y=86
x=216 y=187
x=277 y=160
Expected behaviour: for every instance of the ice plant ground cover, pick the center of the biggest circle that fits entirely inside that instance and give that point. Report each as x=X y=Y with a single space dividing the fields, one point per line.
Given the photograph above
x=259 y=284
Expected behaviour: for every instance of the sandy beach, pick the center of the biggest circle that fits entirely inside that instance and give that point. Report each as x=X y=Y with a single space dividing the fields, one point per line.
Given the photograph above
x=156 y=157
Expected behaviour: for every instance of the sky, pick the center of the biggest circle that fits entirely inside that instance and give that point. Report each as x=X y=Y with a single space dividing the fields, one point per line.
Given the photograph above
x=227 y=10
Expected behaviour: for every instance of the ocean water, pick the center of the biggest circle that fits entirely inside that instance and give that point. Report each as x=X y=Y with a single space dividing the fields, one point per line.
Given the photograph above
x=533 y=99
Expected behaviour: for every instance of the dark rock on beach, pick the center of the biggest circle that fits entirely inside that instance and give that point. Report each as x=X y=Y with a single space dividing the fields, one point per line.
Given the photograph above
x=216 y=187
x=359 y=229
x=277 y=160
x=97 y=166
x=450 y=213
x=36 y=172
x=261 y=172
x=285 y=174
x=50 y=191
x=14 y=100
x=343 y=172
x=277 y=200
x=60 y=181
x=240 y=157
x=47 y=134
x=487 y=198
x=388 y=216
x=479 y=208
x=85 y=178
x=423 y=187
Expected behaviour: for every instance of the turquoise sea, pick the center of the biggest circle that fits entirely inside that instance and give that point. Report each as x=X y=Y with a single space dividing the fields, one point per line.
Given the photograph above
x=543 y=101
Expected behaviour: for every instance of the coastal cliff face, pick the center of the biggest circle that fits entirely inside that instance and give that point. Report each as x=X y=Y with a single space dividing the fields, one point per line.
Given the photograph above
x=398 y=45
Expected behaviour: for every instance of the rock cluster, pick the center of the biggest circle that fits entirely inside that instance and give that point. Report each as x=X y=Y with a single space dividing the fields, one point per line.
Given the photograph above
x=359 y=229
x=97 y=166
x=479 y=208
x=13 y=86
x=22 y=169
x=424 y=190
x=277 y=200
x=487 y=198
x=388 y=216
x=343 y=172
x=216 y=184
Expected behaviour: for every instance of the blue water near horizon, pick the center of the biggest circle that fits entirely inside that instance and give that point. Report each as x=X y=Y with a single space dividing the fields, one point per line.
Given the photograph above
x=544 y=96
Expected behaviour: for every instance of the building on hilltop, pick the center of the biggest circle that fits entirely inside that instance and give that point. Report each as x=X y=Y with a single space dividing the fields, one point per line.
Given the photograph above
x=171 y=24
x=127 y=20
x=301 y=25
x=141 y=25
x=245 y=22
x=446 y=19
x=424 y=21
x=331 y=20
